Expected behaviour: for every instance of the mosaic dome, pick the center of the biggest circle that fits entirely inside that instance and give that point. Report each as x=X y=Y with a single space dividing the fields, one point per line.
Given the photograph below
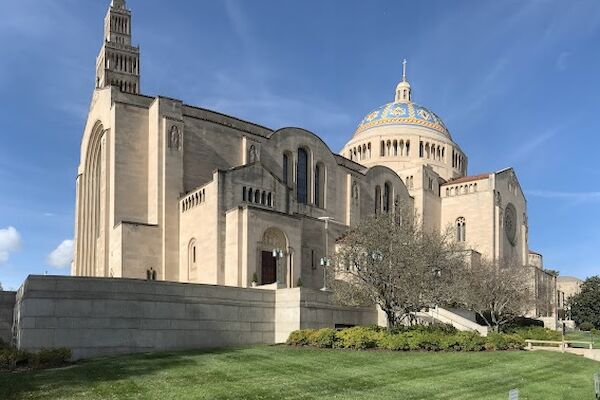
x=403 y=113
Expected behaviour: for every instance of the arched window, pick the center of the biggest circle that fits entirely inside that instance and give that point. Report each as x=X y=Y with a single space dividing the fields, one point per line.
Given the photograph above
x=387 y=197
x=302 y=177
x=461 y=230
x=250 y=198
x=377 y=199
x=285 y=168
x=382 y=152
x=257 y=196
x=263 y=199
x=320 y=185
x=244 y=193
x=192 y=260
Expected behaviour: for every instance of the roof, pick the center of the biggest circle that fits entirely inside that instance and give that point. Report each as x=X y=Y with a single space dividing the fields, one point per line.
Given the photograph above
x=468 y=179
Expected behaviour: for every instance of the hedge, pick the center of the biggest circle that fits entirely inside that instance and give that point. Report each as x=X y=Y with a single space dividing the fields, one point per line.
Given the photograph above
x=418 y=338
x=11 y=358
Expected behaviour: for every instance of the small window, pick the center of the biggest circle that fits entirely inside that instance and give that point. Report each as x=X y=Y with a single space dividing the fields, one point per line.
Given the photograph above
x=461 y=230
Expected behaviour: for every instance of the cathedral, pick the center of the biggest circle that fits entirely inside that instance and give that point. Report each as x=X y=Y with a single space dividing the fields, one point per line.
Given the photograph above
x=176 y=192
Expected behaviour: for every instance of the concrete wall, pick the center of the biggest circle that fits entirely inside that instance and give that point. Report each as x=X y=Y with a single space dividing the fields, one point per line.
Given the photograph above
x=96 y=316
x=101 y=316
x=7 y=306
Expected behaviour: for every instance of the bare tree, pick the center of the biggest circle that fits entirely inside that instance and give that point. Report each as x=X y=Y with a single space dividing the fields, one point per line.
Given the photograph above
x=389 y=260
x=497 y=291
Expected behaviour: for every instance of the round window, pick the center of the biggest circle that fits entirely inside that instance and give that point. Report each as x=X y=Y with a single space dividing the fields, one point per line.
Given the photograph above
x=510 y=223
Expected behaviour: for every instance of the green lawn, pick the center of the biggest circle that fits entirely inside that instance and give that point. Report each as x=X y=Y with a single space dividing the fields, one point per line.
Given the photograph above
x=278 y=372
x=583 y=337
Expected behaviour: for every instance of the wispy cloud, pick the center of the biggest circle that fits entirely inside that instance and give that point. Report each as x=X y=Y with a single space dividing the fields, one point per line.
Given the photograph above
x=573 y=196
x=562 y=62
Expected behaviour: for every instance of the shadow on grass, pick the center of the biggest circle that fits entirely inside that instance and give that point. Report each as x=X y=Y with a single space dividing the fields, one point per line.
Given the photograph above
x=82 y=374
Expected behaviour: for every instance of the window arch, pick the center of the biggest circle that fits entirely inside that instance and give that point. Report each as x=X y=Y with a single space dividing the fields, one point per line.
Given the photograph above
x=387 y=197
x=302 y=177
x=377 y=199
x=287 y=168
x=461 y=229
x=192 y=260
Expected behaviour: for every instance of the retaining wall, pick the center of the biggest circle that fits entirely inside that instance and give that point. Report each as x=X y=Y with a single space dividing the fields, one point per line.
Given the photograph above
x=102 y=316
x=7 y=306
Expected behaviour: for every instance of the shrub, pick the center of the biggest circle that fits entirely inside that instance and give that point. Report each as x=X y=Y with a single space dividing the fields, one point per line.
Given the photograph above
x=394 y=342
x=46 y=358
x=11 y=358
x=324 y=338
x=359 y=337
x=504 y=341
x=464 y=341
x=586 y=326
x=522 y=322
x=535 y=333
x=300 y=337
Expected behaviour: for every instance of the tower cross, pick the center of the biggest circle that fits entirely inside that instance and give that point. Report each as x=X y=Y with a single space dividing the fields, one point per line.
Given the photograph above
x=404 y=70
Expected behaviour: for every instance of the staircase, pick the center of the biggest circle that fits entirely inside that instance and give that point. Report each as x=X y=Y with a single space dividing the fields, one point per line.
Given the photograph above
x=444 y=316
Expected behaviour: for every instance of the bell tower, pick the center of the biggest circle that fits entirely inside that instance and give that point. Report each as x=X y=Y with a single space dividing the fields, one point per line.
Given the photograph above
x=118 y=63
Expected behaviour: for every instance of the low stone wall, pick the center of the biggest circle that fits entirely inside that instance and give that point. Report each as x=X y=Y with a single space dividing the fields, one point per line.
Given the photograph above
x=302 y=308
x=96 y=316
x=7 y=306
x=101 y=316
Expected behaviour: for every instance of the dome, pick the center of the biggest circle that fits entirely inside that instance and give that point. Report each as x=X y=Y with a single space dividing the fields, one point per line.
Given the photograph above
x=403 y=113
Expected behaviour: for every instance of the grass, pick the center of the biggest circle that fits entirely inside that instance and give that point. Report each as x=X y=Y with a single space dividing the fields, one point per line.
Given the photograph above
x=279 y=372
x=583 y=337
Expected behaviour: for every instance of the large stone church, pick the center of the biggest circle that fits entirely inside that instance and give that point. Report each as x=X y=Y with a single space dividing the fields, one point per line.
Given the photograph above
x=180 y=193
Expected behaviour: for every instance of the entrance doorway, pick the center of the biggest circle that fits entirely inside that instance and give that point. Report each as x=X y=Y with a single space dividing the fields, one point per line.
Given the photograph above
x=269 y=268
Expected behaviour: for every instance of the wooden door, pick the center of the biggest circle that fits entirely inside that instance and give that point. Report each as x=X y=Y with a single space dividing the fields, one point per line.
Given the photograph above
x=269 y=268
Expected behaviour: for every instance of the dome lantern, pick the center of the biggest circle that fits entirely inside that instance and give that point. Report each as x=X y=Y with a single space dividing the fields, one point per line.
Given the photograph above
x=403 y=93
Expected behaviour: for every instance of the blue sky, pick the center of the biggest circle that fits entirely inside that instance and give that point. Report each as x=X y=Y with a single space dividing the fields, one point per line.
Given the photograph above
x=517 y=83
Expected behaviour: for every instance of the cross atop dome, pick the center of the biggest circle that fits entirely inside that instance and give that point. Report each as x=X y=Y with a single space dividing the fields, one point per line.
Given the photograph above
x=403 y=93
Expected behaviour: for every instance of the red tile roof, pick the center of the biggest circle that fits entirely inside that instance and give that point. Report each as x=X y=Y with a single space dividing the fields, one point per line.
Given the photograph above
x=468 y=179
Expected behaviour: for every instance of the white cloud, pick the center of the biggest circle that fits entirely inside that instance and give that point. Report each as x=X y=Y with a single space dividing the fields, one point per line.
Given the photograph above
x=10 y=241
x=62 y=256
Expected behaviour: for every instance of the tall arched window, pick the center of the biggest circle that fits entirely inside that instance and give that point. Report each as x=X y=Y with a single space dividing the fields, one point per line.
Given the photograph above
x=387 y=197
x=192 y=260
x=285 y=168
x=320 y=185
x=302 y=177
x=461 y=230
x=377 y=199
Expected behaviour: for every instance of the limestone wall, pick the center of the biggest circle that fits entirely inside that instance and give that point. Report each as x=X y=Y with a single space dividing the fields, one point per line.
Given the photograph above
x=7 y=305
x=101 y=316
x=96 y=316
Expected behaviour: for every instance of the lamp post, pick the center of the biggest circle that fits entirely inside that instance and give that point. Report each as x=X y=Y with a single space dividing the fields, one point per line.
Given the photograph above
x=325 y=261
x=277 y=254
